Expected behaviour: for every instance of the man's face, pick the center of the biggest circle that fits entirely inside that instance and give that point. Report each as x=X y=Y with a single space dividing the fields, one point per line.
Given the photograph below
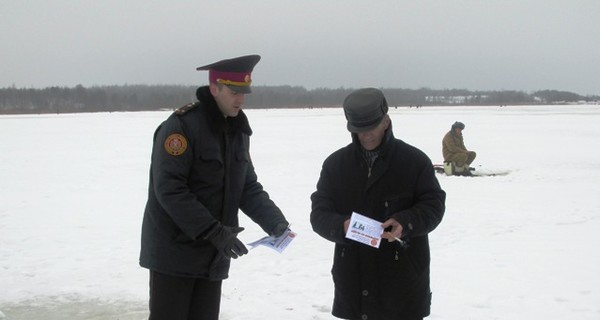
x=229 y=102
x=371 y=139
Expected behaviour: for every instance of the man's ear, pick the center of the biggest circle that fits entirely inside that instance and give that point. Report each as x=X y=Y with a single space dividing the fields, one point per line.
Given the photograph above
x=387 y=121
x=214 y=89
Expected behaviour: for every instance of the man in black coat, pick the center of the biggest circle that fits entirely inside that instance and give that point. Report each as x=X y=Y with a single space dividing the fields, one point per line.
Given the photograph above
x=385 y=179
x=201 y=174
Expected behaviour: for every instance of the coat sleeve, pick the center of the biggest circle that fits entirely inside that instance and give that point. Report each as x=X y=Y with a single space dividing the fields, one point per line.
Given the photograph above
x=429 y=205
x=257 y=204
x=324 y=218
x=170 y=174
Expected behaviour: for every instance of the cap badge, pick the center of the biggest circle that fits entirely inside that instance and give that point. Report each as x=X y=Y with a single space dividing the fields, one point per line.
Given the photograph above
x=232 y=78
x=175 y=144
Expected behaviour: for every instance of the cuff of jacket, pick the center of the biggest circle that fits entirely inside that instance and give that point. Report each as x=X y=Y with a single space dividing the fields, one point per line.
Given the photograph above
x=336 y=229
x=403 y=217
x=211 y=230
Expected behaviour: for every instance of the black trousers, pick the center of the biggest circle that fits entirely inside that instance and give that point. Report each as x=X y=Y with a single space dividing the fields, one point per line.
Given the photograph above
x=180 y=298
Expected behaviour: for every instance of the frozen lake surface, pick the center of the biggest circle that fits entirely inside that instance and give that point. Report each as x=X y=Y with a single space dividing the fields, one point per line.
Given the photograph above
x=522 y=246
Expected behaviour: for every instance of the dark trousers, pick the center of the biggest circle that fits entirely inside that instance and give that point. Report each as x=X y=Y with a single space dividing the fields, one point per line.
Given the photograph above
x=180 y=298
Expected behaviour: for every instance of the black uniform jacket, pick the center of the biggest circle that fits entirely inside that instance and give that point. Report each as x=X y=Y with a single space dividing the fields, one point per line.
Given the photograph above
x=199 y=189
x=391 y=282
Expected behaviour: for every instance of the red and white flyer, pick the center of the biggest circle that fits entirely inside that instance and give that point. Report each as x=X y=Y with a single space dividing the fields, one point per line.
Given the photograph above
x=364 y=230
x=276 y=243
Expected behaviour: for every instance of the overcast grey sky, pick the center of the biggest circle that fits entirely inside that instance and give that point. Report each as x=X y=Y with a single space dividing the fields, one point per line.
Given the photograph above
x=468 y=44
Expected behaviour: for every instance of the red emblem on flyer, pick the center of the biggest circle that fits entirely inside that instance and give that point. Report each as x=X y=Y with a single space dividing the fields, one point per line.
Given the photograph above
x=175 y=144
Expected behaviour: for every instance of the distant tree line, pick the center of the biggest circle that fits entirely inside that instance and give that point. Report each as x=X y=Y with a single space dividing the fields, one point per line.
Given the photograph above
x=160 y=97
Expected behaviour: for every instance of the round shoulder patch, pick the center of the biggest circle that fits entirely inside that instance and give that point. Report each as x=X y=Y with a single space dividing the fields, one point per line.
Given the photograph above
x=175 y=144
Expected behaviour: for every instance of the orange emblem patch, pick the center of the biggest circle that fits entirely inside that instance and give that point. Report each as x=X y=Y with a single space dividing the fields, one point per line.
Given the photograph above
x=175 y=144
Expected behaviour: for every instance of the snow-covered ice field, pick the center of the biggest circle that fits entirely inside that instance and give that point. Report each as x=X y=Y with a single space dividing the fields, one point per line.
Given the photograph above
x=522 y=246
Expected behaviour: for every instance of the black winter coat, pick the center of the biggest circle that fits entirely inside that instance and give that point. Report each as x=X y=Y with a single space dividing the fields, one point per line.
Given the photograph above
x=391 y=282
x=195 y=191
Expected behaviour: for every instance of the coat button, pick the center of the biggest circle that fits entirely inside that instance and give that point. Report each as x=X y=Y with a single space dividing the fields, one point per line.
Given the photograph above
x=364 y=317
x=365 y=293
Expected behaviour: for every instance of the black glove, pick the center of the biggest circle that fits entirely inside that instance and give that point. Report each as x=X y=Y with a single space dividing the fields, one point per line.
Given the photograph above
x=226 y=241
x=280 y=229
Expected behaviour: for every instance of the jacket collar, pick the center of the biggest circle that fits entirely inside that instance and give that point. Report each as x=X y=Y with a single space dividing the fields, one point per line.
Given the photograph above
x=385 y=143
x=219 y=122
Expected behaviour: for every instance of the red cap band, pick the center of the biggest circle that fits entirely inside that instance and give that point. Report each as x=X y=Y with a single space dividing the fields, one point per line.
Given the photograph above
x=230 y=78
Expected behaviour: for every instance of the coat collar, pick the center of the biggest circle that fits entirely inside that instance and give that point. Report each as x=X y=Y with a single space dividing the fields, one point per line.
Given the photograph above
x=219 y=122
x=385 y=144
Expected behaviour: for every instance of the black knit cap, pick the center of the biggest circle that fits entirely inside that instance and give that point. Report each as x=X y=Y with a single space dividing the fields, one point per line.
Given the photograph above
x=364 y=109
x=458 y=124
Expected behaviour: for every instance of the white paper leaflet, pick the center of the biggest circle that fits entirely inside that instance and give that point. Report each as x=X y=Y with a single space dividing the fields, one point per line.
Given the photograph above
x=276 y=243
x=364 y=230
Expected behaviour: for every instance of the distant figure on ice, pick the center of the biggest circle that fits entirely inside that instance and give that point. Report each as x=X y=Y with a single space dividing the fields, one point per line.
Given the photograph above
x=457 y=158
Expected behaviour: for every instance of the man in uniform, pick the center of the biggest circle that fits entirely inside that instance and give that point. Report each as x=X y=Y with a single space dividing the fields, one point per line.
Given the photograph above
x=388 y=180
x=454 y=151
x=201 y=173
